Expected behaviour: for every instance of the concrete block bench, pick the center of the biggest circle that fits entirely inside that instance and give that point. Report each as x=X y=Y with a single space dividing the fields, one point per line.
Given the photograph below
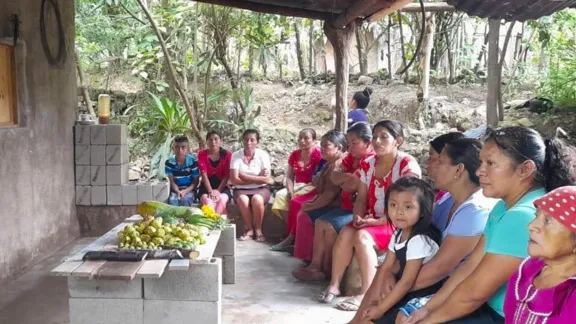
x=273 y=226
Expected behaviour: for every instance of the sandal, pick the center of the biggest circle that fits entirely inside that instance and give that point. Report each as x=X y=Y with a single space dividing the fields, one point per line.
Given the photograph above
x=260 y=238
x=349 y=305
x=246 y=236
x=280 y=248
x=327 y=297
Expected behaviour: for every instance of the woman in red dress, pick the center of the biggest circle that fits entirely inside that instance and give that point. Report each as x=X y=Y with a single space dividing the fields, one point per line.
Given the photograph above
x=317 y=229
x=214 y=164
x=369 y=231
x=301 y=166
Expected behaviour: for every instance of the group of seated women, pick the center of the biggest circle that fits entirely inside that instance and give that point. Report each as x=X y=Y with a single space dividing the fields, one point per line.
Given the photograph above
x=494 y=242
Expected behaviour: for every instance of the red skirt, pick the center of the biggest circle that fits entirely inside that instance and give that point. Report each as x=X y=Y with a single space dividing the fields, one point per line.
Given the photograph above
x=381 y=234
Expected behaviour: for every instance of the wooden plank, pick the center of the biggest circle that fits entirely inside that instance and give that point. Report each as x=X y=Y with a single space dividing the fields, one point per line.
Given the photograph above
x=106 y=241
x=179 y=265
x=133 y=219
x=66 y=268
x=429 y=7
x=87 y=269
x=206 y=251
x=8 y=110
x=272 y=9
x=117 y=271
x=152 y=269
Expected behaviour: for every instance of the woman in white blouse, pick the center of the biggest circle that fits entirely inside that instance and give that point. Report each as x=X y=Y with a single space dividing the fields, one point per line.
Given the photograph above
x=250 y=175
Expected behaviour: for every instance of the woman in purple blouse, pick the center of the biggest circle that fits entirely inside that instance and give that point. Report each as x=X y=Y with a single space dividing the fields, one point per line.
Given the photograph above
x=543 y=290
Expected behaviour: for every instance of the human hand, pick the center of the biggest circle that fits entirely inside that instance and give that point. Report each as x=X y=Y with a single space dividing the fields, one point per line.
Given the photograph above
x=214 y=195
x=306 y=207
x=418 y=317
x=372 y=313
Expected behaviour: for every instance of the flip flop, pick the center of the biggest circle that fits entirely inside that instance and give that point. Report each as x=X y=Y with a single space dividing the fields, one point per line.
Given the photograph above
x=349 y=305
x=245 y=237
x=260 y=238
x=327 y=297
x=278 y=248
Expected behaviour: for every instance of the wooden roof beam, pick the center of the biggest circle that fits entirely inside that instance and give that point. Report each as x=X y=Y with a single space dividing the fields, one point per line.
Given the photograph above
x=354 y=11
x=410 y=6
x=271 y=9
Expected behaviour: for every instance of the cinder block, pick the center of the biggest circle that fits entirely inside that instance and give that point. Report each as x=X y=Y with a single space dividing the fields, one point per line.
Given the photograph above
x=82 y=175
x=114 y=195
x=108 y=289
x=194 y=312
x=203 y=282
x=106 y=311
x=226 y=245
x=144 y=192
x=117 y=174
x=228 y=269
x=98 y=195
x=82 y=135
x=116 y=135
x=83 y=195
x=82 y=155
x=98 y=154
x=98 y=175
x=129 y=194
x=98 y=134
x=117 y=154
x=160 y=191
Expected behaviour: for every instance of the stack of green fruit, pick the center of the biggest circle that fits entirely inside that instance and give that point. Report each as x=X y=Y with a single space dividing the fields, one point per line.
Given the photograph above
x=153 y=234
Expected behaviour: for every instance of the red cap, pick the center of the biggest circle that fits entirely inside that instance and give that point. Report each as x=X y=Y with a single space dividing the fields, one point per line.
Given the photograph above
x=560 y=204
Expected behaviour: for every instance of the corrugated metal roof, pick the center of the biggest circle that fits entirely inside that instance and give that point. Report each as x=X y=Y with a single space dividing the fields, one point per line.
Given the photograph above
x=520 y=10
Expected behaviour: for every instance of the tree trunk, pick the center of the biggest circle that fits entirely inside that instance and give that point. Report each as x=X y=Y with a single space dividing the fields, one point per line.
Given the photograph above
x=359 y=49
x=500 y=65
x=299 y=50
x=493 y=79
x=250 y=61
x=389 y=47
x=193 y=118
x=402 y=46
x=483 y=51
x=450 y=59
x=340 y=40
x=311 y=48
x=83 y=87
x=424 y=58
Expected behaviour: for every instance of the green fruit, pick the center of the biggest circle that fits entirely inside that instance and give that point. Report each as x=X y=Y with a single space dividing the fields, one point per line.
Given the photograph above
x=145 y=238
x=150 y=230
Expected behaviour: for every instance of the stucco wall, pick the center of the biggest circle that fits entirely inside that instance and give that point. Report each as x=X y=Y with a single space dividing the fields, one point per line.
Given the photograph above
x=37 y=208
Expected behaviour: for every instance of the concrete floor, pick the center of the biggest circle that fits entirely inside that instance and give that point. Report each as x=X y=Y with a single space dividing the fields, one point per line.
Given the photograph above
x=265 y=292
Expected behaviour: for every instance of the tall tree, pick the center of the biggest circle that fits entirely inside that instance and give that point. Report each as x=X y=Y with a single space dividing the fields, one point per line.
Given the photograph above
x=299 y=54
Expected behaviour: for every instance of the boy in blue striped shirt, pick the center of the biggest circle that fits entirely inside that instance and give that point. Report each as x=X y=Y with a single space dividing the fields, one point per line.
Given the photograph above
x=182 y=170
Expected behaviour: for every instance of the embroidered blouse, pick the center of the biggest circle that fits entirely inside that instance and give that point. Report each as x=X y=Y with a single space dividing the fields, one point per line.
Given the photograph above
x=525 y=304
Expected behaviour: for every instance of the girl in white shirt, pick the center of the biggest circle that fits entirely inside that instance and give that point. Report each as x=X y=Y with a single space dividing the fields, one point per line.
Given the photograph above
x=416 y=240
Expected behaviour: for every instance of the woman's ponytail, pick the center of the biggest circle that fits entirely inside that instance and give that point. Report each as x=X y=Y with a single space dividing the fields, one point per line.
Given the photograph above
x=558 y=169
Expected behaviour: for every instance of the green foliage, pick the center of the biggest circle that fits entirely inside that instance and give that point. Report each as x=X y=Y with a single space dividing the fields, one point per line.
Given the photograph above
x=240 y=120
x=557 y=35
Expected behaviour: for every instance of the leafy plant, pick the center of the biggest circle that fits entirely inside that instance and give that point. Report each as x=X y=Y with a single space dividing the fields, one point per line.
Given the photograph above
x=167 y=120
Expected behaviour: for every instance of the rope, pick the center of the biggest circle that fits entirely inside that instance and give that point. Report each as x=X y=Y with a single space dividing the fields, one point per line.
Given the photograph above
x=60 y=57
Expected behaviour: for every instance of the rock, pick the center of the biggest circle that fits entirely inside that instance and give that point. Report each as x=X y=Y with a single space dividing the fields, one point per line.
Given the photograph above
x=525 y=122
x=365 y=80
x=300 y=91
x=466 y=101
x=279 y=179
x=133 y=174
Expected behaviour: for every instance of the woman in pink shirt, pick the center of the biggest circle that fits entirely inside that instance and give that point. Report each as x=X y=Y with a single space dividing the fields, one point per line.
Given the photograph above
x=543 y=290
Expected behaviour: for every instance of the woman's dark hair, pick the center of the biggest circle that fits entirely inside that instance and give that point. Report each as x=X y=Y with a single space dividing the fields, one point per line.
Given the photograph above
x=337 y=138
x=426 y=195
x=250 y=132
x=553 y=159
x=396 y=129
x=362 y=98
x=213 y=132
x=439 y=142
x=465 y=151
x=311 y=131
x=362 y=131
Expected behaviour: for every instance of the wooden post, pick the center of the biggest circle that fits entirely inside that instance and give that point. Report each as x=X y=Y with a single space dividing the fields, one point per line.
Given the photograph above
x=493 y=79
x=425 y=56
x=340 y=39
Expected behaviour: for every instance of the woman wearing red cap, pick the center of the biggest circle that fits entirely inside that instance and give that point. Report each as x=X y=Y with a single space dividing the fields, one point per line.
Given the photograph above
x=543 y=291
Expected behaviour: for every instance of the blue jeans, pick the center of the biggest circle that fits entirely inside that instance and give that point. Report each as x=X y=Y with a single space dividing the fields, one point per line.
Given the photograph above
x=337 y=217
x=187 y=200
